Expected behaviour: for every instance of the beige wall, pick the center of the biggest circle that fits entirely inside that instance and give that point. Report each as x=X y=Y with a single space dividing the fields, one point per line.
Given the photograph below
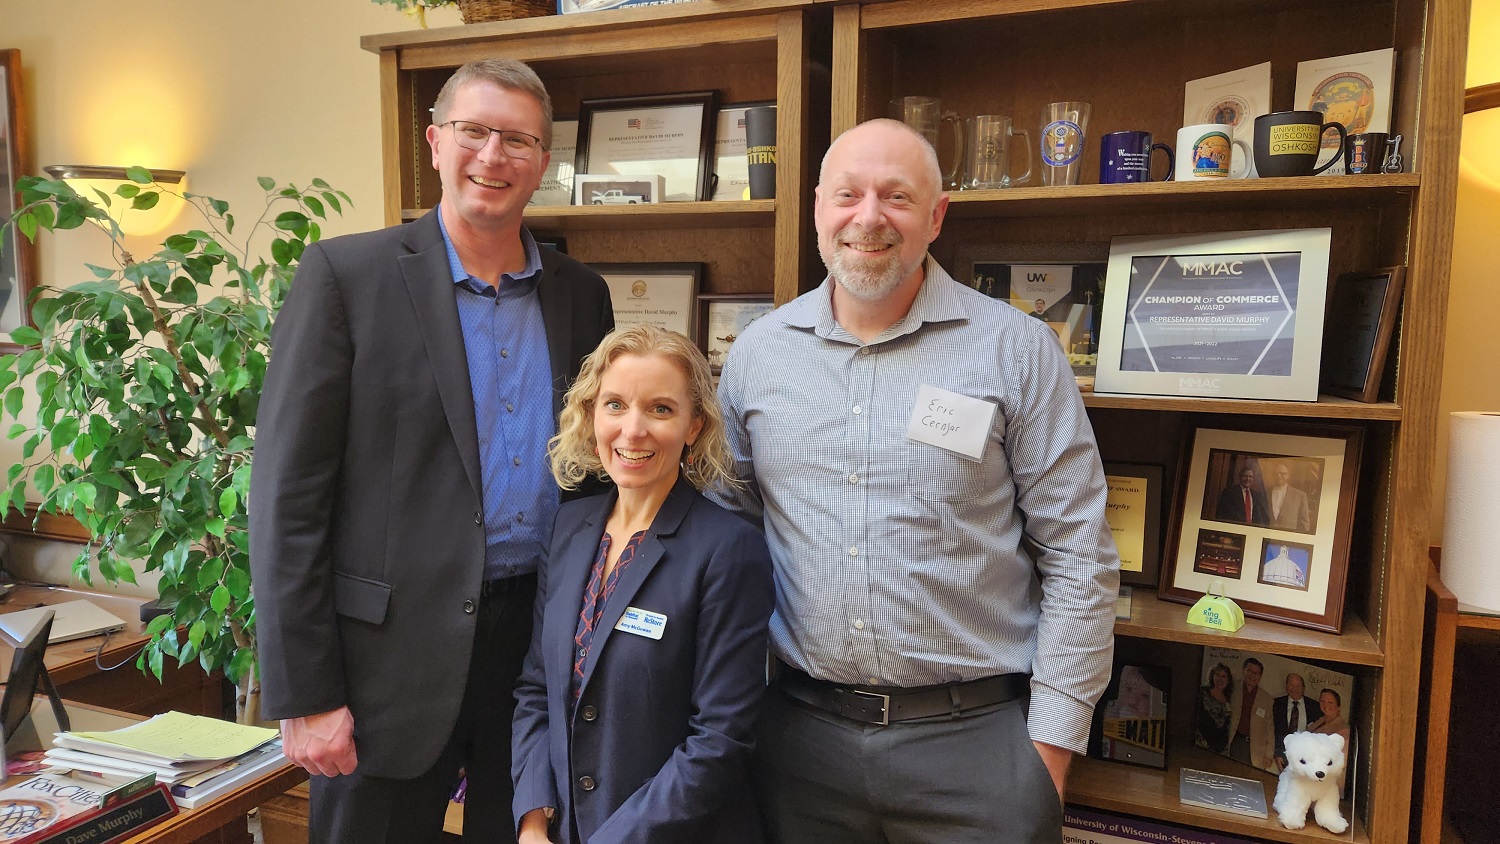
x=227 y=91
x=1470 y=380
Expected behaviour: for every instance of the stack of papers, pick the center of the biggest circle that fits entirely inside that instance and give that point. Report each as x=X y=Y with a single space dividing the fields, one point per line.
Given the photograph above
x=173 y=746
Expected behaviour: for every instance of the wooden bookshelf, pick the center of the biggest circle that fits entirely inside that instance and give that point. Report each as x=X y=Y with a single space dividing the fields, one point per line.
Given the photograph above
x=1135 y=790
x=1326 y=407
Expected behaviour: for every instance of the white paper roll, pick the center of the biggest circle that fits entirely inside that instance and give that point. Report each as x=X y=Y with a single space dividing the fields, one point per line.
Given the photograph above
x=1471 y=516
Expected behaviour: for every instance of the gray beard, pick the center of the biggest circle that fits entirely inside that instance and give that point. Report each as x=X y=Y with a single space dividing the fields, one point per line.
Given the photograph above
x=864 y=284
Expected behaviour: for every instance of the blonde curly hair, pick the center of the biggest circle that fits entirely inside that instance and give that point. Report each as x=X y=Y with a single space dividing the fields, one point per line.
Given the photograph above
x=573 y=452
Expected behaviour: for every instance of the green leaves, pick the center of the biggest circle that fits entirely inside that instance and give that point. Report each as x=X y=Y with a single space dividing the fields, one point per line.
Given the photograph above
x=145 y=378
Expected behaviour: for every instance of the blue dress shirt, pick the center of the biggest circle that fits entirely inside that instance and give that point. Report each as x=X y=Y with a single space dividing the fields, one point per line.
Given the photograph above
x=510 y=375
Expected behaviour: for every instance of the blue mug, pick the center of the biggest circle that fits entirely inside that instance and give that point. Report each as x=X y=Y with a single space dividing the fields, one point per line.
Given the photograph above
x=1125 y=157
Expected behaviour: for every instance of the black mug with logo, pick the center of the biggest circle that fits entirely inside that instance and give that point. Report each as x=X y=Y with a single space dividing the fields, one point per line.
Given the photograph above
x=1365 y=153
x=1287 y=142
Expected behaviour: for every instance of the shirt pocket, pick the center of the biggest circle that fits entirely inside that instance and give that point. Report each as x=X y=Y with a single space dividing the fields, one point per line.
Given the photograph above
x=937 y=474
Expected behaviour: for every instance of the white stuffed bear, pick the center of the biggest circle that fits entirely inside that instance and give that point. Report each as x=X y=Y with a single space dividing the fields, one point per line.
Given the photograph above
x=1314 y=762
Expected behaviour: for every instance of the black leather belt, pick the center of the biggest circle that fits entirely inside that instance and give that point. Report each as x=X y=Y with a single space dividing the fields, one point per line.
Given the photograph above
x=889 y=704
x=503 y=585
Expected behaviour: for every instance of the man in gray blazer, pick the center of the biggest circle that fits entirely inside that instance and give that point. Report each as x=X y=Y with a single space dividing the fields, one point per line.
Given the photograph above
x=401 y=495
x=1289 y=505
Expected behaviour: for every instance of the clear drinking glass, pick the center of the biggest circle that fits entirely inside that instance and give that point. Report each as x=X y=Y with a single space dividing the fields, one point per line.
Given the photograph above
x=987 y=151
x=1065 y=128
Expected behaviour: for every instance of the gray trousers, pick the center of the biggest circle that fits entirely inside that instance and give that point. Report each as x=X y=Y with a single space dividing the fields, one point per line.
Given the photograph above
x=823 y=779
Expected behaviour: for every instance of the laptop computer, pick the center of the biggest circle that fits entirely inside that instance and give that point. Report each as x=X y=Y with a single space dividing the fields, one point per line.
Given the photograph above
x=71 y=620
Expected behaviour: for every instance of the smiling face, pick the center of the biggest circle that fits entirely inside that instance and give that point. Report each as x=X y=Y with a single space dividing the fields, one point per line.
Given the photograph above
x=1294 y=686
x=1252 y=676
x=1219 y=678
x=1283 y=475
x=1330 y=704
x=1247 y=478
x=486 y=189
x=643 y=420
x=877 y=207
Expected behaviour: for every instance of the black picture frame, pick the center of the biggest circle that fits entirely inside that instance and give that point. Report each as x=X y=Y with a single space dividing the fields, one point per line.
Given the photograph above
x=661 y=293
x=705 y=101
x=28 y=672
x=1152 y=476
x=18 y=269
x=1362 y=310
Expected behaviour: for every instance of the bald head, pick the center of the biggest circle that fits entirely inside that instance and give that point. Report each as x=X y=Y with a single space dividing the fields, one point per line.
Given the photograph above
x=886 y=130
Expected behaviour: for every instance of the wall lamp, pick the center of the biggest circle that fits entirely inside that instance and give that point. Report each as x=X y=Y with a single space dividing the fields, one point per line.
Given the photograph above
x=131 y=221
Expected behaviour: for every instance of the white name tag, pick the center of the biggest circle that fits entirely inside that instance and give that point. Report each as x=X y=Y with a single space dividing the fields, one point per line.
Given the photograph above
x=642 y=622
x=952 y=421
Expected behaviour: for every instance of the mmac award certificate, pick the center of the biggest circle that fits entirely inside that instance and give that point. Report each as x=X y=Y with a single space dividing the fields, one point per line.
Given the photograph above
x=1226 y=314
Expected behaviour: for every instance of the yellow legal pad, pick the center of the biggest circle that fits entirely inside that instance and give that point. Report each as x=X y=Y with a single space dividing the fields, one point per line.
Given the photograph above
x=181 y=737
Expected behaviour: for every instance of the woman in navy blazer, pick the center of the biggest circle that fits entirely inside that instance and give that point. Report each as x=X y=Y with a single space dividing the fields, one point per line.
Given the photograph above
x=635 y=710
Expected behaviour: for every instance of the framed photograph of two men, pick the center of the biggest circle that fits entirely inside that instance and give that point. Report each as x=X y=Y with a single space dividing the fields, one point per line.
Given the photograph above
x=1265 y=514
x=1223 y=315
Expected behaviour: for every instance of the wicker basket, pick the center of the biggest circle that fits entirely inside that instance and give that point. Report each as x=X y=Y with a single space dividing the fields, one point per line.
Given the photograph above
x=480 y=11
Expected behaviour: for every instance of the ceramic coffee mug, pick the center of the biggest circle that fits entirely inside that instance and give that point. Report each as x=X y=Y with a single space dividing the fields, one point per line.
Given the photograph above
x=1365 y=153
x=1125 y=157
x=1206 y=151
x=1286 y=143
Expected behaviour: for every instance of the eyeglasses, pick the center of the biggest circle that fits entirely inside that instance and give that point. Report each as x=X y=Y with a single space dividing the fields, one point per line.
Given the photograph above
x=471 y=135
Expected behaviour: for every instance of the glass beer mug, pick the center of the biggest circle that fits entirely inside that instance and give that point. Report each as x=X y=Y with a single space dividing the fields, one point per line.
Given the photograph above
x=926 y=115
x=987 y=147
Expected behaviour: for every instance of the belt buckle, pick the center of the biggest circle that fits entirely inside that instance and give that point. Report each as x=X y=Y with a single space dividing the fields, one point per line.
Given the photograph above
x=885 y=704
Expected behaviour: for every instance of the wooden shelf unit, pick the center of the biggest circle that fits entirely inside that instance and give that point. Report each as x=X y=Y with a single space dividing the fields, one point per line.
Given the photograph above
x=756 y=50
x=1131 y=59
x=832 y=64
x=1134 y=790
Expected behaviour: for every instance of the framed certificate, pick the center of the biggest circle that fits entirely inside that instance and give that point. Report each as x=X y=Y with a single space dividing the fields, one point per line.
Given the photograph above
x=557 y=182
x=1363 y=309
x=670 y=136
x=1264 y=516
x=1134 y=515
x=1223 y=315
x=653 y=294
x=722 y=319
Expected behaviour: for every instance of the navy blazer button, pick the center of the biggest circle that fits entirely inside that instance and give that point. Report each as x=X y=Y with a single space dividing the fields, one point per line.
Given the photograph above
x=586 y=783
x=469 y=607
x=589 y=713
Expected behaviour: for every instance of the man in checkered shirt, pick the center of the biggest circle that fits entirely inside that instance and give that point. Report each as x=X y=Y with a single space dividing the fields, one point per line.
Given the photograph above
x=934 y=502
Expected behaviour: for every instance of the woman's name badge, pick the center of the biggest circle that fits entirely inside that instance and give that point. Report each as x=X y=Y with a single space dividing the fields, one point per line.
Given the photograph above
x=951 y=421
x=642 y=622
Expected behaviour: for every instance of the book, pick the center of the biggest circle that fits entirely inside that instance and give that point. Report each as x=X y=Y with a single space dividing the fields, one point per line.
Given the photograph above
x=202 y=787
x=1354 y=90
x=1208 y=790
x=1234 y=98
x=37 y=809
x=111 y=822
x=1094 y=826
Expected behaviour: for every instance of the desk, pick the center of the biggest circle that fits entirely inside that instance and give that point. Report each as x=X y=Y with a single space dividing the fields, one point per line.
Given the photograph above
x=220 y=822
x=127 y=689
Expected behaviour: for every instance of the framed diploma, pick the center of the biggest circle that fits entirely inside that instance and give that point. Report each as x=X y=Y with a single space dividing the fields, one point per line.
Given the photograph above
x=1362 y=315
x=654 y=294
x=1134 y=514
x=671 y=136
x=721 y=319
x=1223 y=315
x=1265 y=515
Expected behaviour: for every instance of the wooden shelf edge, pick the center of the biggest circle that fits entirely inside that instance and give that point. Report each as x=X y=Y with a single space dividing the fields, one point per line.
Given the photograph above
x=611 y=19
x=1166 y=621
x=44 y=526
x=1086 y=199
x=1476 y=621
x=754 y=213
x=1326 y=407
x=1150 y=793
